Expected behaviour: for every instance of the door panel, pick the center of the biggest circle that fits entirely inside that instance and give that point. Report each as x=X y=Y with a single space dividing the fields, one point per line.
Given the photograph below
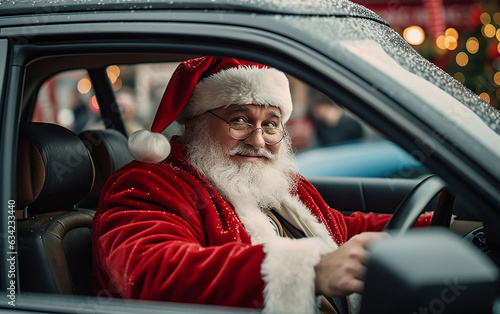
x=379 y=195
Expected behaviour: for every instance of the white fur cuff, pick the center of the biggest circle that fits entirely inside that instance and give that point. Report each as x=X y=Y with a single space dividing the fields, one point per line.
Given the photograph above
x=288 y=271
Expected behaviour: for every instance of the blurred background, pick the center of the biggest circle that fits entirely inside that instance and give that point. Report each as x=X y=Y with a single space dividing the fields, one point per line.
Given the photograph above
x=460 y=36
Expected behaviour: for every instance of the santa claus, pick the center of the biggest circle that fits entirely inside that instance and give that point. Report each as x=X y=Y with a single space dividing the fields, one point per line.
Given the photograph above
x=220 y=215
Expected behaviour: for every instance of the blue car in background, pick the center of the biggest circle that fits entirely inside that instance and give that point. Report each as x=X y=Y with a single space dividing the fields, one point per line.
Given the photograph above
x=378 y=158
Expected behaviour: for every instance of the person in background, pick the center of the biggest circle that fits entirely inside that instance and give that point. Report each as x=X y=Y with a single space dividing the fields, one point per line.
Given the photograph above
x=128 y=109
x=332 y=124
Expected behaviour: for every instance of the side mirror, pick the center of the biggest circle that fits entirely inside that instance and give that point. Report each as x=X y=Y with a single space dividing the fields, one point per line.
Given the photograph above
x=428 y=271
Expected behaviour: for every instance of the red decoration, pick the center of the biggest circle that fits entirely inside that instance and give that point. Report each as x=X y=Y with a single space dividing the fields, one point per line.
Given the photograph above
x=436 y=23
x=475 y=16
x=492 y=50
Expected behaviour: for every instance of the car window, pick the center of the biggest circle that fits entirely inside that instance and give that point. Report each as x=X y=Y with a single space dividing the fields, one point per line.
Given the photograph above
x=140 y=94
x=329 y=140
x=68 y=99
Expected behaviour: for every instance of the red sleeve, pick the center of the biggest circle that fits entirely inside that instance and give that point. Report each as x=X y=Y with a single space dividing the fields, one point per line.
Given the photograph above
x=345 y=227
x=358 y=222
x=149 y=242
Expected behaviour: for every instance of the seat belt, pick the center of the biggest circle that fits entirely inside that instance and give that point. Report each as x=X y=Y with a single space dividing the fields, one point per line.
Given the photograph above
x=339 y=303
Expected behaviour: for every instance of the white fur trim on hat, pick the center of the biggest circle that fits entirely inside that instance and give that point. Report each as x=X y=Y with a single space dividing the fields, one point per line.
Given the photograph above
x=148 y=147
x=240 y=86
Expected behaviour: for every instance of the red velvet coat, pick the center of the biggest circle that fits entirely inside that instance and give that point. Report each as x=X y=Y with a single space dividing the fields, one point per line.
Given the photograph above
x=162 y=232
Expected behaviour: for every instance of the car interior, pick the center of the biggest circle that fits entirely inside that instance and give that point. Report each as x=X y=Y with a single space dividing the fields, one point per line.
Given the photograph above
x=54 y=232
x=54 y=238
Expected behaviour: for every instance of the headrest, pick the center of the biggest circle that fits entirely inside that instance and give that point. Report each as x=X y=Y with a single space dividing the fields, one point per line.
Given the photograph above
x=54 y=169
x=109 y=151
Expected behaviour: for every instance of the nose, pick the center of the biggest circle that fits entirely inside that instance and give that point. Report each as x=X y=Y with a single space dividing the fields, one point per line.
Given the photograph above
x=256 y=139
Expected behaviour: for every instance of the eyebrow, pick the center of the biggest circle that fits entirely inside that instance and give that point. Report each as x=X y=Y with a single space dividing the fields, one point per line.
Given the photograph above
x=241 y=108
x=238 y=108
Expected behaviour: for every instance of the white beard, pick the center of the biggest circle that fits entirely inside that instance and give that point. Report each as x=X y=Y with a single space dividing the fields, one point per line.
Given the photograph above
x=264 y=184
x=252 y=186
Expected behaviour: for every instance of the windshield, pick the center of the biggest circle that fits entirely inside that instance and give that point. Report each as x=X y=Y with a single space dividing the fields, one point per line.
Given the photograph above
x=462 y=117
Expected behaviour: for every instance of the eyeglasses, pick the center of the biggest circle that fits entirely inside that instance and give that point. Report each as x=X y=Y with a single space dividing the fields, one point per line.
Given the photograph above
x=241 y=131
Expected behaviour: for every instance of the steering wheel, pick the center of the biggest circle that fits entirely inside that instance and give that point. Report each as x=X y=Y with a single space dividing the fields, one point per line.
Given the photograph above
x=412 y=206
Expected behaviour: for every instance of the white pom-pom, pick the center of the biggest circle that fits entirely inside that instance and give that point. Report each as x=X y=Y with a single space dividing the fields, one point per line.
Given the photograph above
x=148 y=147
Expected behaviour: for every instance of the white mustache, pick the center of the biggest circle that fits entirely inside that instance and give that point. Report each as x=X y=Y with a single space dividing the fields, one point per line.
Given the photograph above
x=248 y=150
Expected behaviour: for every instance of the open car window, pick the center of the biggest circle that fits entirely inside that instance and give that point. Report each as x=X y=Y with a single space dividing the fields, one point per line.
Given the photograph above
x=329 y=140
x=68 y=99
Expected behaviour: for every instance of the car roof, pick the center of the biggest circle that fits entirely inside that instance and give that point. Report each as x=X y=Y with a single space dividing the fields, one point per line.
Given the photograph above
x=295 y=7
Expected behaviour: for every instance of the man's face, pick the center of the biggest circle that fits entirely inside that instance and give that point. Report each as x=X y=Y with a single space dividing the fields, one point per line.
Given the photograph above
x=237 y=168
x=256 y=115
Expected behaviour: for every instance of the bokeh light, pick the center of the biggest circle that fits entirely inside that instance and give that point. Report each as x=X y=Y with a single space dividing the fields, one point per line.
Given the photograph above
x=93 y=105
x=414 y=35
x=66 y=117
x=113 y=73
x=84 y=85
x=496 y=78
x=496 y=18
x=472 y=45
x=451 y=32
x=450 y=43
x=485 y=18
x=488 y=30
x=440 y=42
x=117 y=84
x=485 y=96
x=462 y=59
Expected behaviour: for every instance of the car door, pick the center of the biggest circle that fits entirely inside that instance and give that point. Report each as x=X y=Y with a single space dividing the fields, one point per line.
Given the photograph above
x=131 y=36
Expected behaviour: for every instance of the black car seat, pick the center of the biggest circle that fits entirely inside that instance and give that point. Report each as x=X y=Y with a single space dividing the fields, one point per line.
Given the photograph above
x=109 y=151
x=54 y=171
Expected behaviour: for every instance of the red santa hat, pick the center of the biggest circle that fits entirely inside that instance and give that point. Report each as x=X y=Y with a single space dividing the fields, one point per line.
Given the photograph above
x=206 y=83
